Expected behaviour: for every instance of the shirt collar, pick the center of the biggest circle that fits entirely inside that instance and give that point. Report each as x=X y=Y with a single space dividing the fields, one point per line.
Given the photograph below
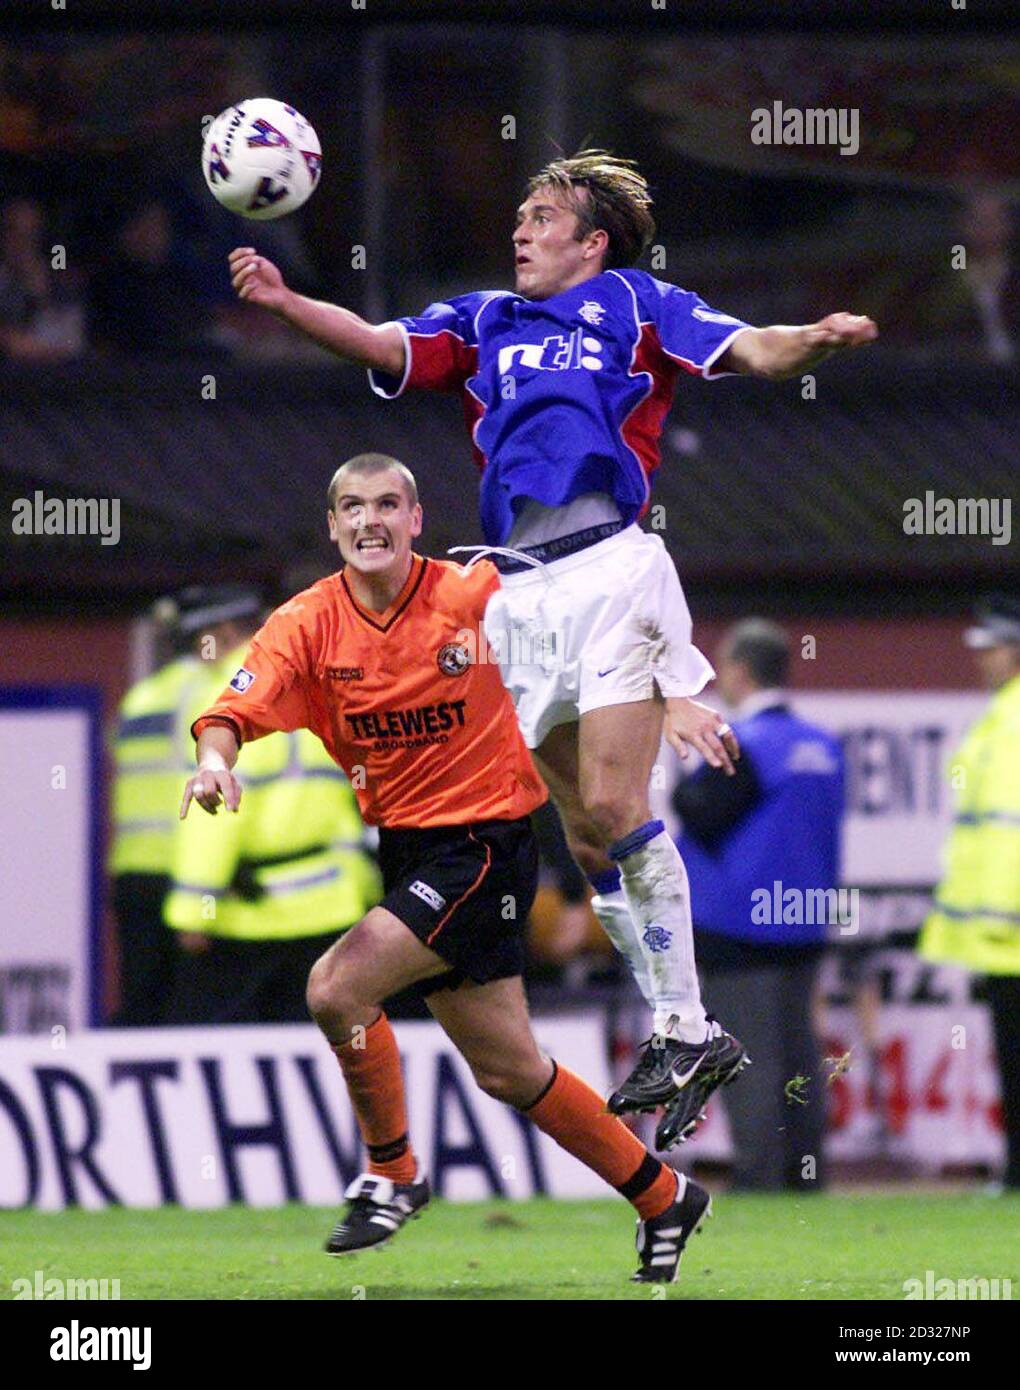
x=760 y=700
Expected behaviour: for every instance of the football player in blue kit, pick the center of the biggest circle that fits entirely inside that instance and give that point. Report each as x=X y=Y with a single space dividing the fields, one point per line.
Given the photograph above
x=565 y=382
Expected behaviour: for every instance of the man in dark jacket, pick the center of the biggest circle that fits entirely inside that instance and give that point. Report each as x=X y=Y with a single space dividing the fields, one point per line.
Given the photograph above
x=762 y=854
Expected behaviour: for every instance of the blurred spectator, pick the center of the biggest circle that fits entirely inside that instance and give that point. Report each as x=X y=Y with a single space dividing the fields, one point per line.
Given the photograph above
x=148 y=754
x=990 y=275
x=153 y=753
x=257 y=896
x=777 y=820
x=141 y=301
x=41 y=319
x=975 y=921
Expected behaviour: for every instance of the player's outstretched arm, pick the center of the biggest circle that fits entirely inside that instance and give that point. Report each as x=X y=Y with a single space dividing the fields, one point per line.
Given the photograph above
x=782 y=351
x=214 y=781
x=339 y=330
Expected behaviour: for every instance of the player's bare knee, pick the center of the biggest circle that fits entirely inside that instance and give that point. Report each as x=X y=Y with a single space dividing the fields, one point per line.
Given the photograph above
x=514 y=1083
x=318 y=994
x=491 y=1082
x=332 y=994
x=612 y=815
x=503 y=1086
x=583 y=837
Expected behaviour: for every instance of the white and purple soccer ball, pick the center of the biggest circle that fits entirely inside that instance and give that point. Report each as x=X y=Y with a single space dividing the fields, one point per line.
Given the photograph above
x=261 y=158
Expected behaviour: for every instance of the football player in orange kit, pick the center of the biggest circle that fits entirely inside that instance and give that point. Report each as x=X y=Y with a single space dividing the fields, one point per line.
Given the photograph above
x=374 y=660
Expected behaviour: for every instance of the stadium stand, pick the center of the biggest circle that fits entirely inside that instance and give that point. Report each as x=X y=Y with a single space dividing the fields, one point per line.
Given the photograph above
x=753 y=478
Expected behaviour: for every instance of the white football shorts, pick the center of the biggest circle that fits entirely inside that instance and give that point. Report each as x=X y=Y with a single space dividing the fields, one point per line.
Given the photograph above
x=607 y=626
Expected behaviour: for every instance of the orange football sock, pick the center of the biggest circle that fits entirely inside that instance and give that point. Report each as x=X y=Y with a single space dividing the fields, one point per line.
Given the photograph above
x=569 y=1111
x=375 y=1085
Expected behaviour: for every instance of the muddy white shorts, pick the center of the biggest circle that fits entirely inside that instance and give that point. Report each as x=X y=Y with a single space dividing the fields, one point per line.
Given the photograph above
x=607 y=626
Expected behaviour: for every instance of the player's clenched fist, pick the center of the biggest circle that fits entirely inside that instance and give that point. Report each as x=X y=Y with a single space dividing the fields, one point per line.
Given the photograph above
x=208 y=787
x=843 y=330
x=689 y=722
x=256 y=279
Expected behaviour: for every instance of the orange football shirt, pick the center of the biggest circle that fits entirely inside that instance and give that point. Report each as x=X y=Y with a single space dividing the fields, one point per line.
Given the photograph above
x=409 y=702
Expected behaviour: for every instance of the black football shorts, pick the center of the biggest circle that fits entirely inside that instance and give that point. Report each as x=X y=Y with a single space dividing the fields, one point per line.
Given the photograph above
x=465 y=891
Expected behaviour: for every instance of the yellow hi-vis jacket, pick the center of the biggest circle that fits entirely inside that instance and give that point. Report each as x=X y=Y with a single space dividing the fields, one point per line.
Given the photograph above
x=976 y=917
x=291 y=862
x=152 y=749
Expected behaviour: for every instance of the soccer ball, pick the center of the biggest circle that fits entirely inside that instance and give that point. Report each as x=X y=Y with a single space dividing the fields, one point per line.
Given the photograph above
x=261 y=158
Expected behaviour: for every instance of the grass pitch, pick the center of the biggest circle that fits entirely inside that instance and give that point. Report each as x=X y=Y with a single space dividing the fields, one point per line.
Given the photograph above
x=823 y=1247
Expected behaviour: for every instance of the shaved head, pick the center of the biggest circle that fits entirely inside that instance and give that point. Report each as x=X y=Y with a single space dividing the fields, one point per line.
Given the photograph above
x=368 y=465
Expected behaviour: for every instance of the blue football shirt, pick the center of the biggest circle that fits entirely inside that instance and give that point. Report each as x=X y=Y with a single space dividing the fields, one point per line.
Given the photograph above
x=567 y=395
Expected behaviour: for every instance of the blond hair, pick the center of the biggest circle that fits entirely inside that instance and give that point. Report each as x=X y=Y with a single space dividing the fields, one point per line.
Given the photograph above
x=618 y=200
